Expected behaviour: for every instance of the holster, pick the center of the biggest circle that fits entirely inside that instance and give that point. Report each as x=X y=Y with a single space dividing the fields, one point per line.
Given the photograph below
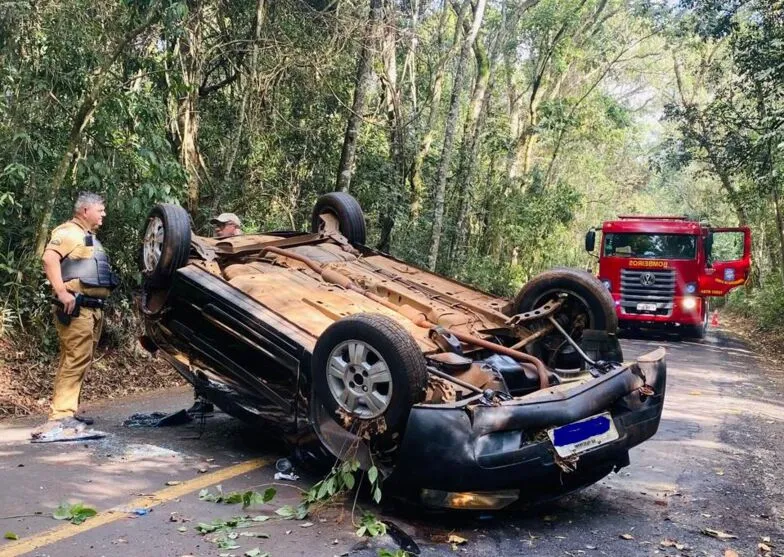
x=59 y=312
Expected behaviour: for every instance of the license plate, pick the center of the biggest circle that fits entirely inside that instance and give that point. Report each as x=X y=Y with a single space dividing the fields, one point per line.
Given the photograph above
x=578 y=437
x=646 y=307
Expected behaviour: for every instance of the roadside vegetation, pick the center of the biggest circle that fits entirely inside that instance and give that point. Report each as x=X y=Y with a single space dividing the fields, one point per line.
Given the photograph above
x=482 y=138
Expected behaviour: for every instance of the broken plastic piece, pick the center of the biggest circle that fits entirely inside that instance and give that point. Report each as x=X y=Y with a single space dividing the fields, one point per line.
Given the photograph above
x=289 y=477
x=65 y=430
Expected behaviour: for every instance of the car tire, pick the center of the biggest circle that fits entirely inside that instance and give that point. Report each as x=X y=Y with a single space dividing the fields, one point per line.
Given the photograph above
x=339 y=374
x=693 y=331
x=166 y=243
x=592 y=300
x=351 y=219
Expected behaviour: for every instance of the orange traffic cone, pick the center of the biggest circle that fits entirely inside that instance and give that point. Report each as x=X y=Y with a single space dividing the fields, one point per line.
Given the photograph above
x=715 y=318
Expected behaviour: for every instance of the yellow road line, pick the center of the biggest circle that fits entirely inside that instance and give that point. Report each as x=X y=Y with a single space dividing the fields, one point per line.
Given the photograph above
x=68 y=530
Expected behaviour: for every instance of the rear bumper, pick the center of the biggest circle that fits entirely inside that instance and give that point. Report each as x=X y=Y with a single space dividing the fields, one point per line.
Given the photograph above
x=492 y=448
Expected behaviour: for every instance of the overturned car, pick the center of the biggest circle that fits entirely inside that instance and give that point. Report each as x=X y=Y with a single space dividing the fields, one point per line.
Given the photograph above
x=461 y=399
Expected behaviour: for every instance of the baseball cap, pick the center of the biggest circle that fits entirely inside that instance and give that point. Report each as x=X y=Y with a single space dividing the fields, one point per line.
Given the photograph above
x=223 y=218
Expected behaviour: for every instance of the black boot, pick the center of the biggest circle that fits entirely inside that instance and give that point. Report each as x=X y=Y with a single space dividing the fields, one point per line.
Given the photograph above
x=201 y=407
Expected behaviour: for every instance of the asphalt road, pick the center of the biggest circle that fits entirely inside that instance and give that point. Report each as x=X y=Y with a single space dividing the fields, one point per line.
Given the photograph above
x=714 y=465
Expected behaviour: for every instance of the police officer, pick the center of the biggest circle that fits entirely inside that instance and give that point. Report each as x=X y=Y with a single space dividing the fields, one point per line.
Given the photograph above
x=81 y=277
x=225 y=225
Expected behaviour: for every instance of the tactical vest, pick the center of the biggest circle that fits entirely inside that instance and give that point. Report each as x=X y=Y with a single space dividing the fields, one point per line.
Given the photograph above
x=95 y=271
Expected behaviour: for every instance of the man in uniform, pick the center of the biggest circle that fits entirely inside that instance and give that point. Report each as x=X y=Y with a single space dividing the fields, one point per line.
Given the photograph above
x=226 y=225
x=81 y=277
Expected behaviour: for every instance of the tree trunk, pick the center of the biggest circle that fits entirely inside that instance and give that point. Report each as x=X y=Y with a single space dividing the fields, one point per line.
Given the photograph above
x=779 y=229
x=250 y=85
x=449 y=133
x=416 y=182
x=363 y=83
x=191 y=66
x=92 y=100
x=395 y=119
x=469 y=151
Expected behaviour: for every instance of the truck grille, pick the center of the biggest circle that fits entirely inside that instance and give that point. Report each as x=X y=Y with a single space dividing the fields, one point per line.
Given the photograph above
x=648 y=287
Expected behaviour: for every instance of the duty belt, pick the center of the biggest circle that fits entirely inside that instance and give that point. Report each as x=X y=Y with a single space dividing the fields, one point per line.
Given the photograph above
x=91 y=302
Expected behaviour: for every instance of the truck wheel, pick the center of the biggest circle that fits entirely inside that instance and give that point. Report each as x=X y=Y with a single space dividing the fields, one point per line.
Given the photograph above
x=166 y=243
x=366 y=367
x=351 y=219
x=587 y=305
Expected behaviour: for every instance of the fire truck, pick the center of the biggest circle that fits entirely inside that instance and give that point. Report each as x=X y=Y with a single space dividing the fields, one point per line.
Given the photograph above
x=661 y=270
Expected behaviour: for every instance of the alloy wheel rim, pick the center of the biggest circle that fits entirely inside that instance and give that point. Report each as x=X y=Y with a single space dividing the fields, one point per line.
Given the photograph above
x=359 y=379
x=153 y=244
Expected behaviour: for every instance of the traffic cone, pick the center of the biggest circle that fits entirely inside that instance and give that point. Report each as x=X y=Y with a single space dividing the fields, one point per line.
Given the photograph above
x=715 y=318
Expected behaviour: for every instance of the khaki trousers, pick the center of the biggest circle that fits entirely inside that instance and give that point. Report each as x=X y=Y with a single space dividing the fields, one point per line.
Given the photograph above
x=77 y=347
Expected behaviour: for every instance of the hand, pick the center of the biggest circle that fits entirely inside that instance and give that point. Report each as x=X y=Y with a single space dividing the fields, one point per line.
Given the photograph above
x=68 y=300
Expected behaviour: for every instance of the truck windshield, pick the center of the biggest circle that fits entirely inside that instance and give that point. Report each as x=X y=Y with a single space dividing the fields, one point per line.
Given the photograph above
x=651 y=246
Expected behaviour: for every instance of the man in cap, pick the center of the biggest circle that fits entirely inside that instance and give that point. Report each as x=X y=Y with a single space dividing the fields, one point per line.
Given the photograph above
x=226 y=225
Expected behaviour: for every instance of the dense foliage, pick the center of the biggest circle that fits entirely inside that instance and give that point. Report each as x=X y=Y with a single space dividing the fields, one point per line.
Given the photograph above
x=482 y=137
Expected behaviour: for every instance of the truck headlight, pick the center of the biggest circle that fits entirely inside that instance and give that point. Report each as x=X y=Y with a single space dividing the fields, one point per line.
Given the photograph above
x=691 y=287
x=689 y=303
x=607 y=283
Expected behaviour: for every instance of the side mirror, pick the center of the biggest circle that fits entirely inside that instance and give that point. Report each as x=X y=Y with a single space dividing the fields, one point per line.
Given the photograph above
x=590 y=240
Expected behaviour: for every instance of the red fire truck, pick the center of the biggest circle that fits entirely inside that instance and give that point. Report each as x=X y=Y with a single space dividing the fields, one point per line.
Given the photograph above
x=660 y=270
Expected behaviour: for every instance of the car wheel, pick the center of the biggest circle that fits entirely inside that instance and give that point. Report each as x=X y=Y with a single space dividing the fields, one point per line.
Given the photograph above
x=166 y=243
x=351 y=219
x=693 y=331
x=366 y=367
x=587 y=305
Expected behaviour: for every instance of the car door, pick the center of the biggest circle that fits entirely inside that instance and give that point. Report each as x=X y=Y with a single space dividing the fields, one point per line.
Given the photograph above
x=727 y=260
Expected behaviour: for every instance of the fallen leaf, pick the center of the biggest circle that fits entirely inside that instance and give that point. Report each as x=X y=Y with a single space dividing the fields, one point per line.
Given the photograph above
x=173 y=482
x=549 y=518
x=11 y=536
x=719 y=472
x=182 y=529
x=666 y=542
x=203 y=470
x=306 y=525
x=764 y=548
x=718 y=534
x=695 y=393
x=457 y=540
x=626 y=537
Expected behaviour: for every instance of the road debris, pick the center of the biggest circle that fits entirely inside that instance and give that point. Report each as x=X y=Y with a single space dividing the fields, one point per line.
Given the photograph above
x=287 y=477
x=157 y=419
x=10 y=536
x=718 y=534
x=626 y=537
x=672 y=543
x=65 y=430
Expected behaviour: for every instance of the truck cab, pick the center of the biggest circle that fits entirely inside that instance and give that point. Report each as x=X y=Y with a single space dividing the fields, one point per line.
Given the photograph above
x=660 y=270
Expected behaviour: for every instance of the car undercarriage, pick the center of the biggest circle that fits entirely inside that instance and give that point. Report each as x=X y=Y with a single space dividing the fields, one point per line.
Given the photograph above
x=462 y=399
